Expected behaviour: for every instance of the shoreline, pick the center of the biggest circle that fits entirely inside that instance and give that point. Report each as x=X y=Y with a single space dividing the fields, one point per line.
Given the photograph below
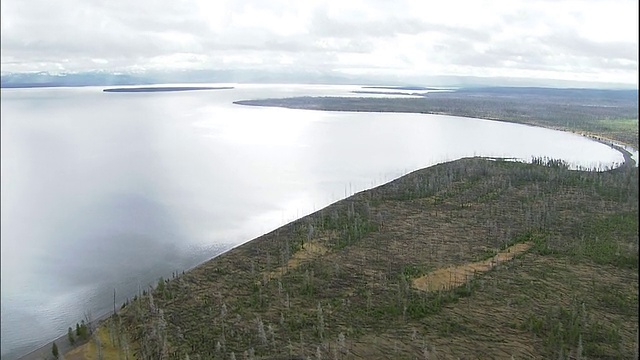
x=616 y=144
x=628 y=157
x=44 y=351
x=407 y=106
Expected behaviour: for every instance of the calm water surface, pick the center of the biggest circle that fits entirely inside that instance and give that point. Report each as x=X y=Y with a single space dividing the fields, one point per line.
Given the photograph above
x=104 y=191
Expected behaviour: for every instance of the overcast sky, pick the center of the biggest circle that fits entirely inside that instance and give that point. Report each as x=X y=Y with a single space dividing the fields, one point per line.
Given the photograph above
x=589 y=40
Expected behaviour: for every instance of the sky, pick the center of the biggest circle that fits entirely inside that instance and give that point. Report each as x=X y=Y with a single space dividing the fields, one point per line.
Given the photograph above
x=585 y=40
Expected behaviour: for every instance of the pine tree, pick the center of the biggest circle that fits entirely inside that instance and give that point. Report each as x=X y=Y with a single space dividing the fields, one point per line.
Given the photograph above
x=54 y=350
x=83 y=332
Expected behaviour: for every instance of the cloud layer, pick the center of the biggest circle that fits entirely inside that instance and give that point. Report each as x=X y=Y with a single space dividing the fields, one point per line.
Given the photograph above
x=592 y=40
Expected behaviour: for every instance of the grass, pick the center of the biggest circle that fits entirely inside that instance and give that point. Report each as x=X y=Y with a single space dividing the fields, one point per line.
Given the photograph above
x=89 y=351
x=623 y=130
x=455 y=276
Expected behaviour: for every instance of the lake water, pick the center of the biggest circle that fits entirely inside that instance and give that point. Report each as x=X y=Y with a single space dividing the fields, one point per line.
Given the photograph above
x=104 y=191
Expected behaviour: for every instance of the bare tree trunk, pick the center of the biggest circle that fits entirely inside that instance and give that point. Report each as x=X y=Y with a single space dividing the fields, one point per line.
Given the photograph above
x=88 y=318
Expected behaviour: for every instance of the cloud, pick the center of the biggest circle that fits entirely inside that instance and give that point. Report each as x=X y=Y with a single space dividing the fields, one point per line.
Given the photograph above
x=549 y=38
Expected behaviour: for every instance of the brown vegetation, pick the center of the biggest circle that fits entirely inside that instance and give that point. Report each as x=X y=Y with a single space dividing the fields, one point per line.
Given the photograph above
x=343 y=274
x=451 y=277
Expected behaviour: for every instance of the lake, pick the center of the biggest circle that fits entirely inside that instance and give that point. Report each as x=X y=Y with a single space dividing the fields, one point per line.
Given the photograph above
x=110 y=191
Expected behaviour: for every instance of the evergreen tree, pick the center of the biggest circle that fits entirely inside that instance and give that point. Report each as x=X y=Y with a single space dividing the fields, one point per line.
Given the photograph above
x=54 y=350
x=84 y=331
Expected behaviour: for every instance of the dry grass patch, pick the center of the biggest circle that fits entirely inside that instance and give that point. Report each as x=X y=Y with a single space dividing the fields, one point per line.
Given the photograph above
x=89 y=351
x=311 y=250
x=454 y=276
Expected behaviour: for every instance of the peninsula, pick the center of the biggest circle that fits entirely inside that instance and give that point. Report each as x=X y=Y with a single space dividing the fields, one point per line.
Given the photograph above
x=165 y=88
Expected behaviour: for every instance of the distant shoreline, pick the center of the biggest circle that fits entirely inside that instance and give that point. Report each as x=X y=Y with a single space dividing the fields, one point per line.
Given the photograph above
x=585 y=112
x=414 y=88
x=322 y=106
x=166 y=88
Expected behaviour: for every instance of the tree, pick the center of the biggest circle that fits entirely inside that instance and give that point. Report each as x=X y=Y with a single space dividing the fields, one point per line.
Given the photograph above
x=72 y=339
x=89 y=324
x=261 y=333
x=83 y=332
x=54 y=350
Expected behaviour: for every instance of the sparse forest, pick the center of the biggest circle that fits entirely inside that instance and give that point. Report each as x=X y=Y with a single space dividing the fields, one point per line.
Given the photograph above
x=341 y=282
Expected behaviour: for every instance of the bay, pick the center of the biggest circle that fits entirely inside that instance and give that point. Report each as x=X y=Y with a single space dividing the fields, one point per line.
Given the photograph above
x=110 y=191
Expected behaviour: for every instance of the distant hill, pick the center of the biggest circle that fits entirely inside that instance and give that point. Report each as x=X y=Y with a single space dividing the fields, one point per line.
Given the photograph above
x=44 y=79
x=106 y=78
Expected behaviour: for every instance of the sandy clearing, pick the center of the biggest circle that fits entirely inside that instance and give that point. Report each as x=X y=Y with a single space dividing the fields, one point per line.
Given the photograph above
x=454 y=276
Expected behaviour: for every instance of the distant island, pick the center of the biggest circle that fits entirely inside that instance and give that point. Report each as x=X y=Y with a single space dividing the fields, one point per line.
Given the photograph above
x=166 y=88
x=412 y=88
x=386 y=93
